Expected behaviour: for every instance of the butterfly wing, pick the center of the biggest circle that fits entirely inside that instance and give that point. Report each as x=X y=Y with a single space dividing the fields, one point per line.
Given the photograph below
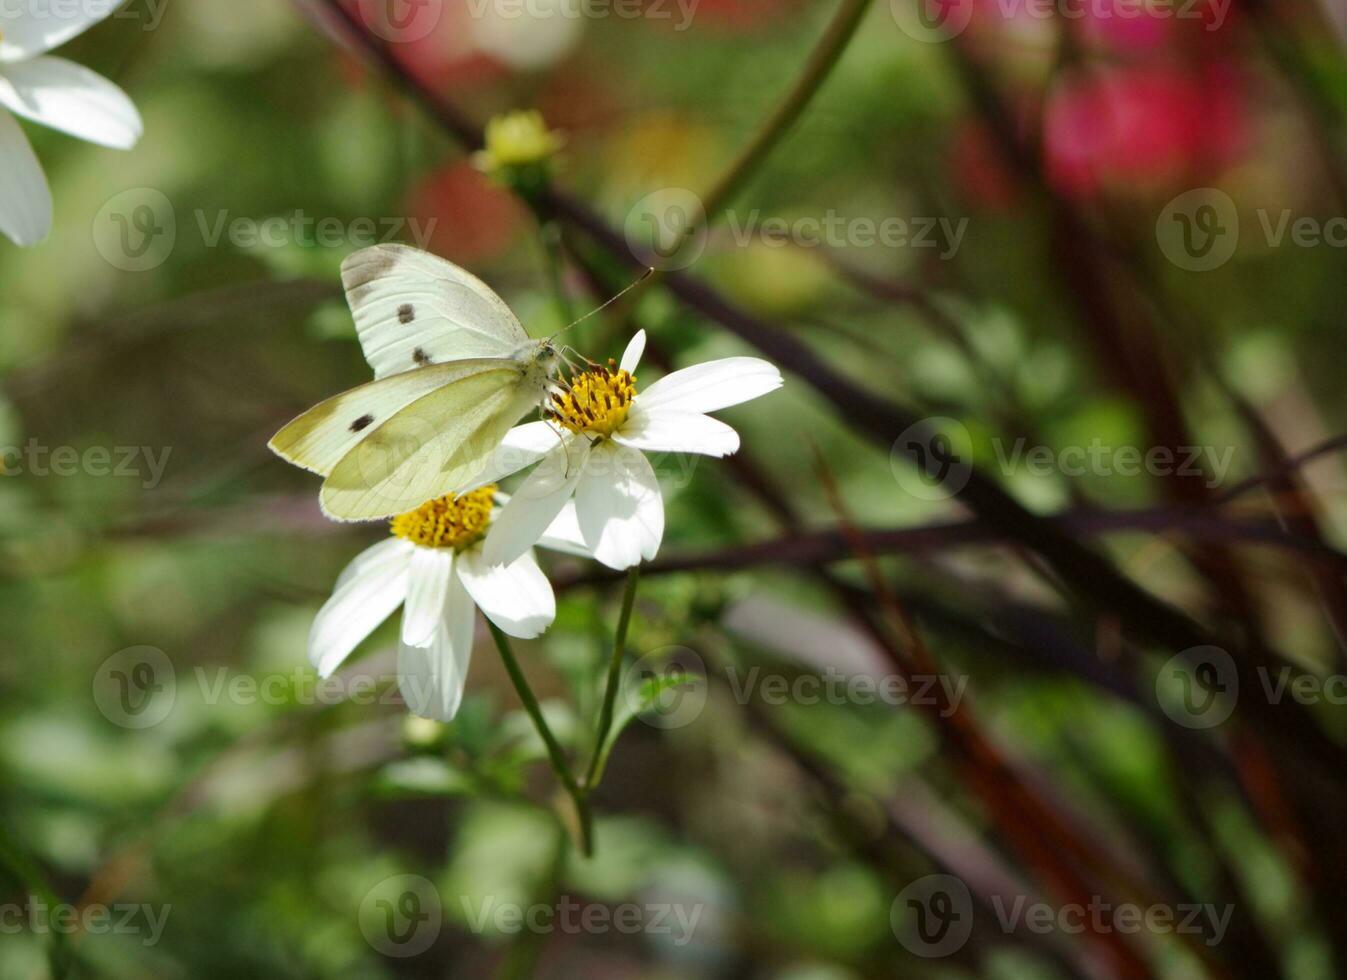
x=437 y=444
x=320 y=438
x=412 y=309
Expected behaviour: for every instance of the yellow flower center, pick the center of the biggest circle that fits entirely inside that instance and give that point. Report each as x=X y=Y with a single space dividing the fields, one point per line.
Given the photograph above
x=447 y=522
x=598 y=401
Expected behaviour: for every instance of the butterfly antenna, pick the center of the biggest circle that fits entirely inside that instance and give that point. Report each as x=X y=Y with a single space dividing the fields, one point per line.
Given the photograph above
x=607 y=303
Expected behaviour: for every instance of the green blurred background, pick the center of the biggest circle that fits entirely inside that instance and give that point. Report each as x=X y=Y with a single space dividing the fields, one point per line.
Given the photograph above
x=265 y=818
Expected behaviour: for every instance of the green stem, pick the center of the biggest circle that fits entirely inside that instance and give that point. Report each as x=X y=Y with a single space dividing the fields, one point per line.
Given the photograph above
x=550 y=234
x=595 y=771
x=816 y=70
x=773 y=129
x=554 y=750
x=522 y=959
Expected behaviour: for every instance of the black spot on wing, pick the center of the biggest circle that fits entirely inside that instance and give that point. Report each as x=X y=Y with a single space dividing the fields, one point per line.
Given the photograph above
x=361 y=423
x=406 y=313
x=421 y=357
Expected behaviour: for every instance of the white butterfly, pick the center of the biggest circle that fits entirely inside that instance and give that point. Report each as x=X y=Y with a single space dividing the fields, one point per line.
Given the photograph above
x=454 y=370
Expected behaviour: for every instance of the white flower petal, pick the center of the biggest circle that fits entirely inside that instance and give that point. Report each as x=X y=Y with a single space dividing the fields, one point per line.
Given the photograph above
x=522 y=446
x=36 y=28
x=516 y=597
x=563 y=534
x=535 y=504
x=25 y=199
x=431 y=678
x=632 y=355
x=69 y=97
x=619 y=507
x=711 y=386
x=427 y=585
x=663 y=431
x=369 y=590
x=386 y=551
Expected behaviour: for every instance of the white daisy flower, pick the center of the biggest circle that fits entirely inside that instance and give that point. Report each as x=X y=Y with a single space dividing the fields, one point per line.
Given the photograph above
x=594 y=477
x=433 y=567
x=57 y=93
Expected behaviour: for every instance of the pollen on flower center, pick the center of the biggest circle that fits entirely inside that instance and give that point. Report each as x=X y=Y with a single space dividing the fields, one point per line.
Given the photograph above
x=447 y=522
x=598 y=400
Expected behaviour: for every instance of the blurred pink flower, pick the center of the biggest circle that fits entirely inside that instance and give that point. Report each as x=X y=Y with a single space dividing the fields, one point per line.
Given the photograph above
x=1141 y=126
x=1124 y=24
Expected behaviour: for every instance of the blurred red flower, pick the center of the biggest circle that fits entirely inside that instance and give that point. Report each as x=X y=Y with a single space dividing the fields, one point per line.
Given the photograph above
x=1141 y=126
x=475 y=219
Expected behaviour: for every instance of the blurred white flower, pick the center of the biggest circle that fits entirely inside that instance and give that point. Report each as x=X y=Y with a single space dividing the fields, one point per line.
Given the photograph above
x=433 y=567
x=528 y=37
x=57 y=93
x=598 y=458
